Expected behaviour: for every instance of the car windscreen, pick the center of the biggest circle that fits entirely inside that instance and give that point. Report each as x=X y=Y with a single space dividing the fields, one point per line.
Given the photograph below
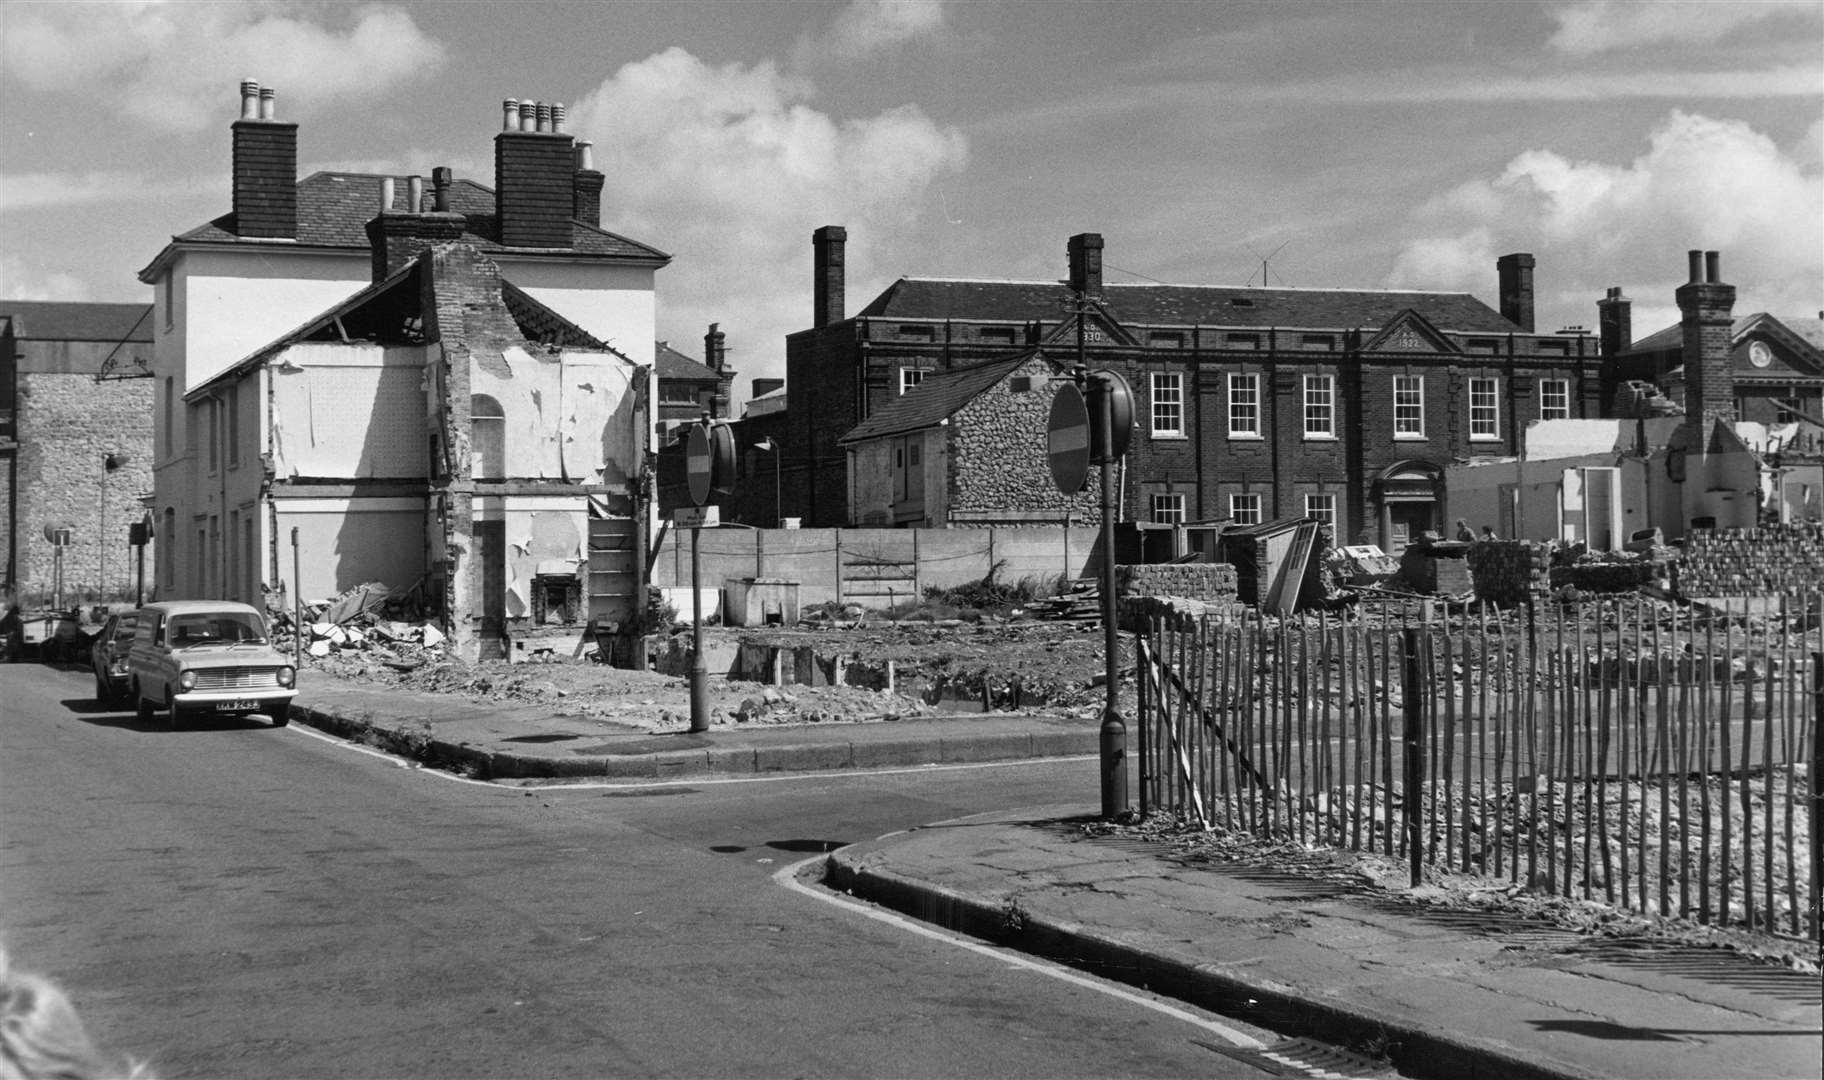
x=214 y=628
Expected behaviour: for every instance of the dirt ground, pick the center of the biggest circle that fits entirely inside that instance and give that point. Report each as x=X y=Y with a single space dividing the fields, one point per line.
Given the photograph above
x=1055 y=667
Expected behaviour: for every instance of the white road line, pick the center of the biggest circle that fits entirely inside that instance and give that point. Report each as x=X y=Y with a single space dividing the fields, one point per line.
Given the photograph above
x=788 y=877
x=557 y=787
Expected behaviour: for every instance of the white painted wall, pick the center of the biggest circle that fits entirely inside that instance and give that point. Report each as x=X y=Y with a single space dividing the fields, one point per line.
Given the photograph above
x=354 y=411
x=231 y=304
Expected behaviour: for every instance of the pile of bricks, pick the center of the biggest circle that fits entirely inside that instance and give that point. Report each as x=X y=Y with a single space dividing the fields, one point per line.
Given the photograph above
x=1505 y=571
x=1771 y=560
x=1208 y=582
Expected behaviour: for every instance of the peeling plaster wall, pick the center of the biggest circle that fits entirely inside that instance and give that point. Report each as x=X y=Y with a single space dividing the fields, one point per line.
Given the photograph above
x=545 y=535
x=355 y=410
x=569 y=415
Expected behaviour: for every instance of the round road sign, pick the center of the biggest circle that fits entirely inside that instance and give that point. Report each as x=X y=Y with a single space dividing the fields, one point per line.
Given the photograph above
x=709 y=461
x=1067 y=439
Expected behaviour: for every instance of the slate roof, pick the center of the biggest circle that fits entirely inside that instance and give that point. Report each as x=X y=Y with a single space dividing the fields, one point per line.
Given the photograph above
x=937 y=398
x=672 y=364
x=334 y=209
x=49 y=320
x=1185 y=305
x=1673 y=337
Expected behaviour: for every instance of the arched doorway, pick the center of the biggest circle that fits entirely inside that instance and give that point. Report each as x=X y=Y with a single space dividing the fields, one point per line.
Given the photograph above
x=1407 y=496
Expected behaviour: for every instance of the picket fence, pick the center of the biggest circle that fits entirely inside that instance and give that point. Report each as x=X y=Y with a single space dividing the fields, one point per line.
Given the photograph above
x=1655 y=756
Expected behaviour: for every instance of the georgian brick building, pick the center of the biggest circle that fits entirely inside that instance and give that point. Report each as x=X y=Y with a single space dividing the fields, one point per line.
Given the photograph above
x=1251 y=403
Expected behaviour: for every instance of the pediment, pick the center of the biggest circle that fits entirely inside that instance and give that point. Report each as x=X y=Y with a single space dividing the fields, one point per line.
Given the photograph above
x=1098 y=329
x=1768 y=350
x=1410 y=332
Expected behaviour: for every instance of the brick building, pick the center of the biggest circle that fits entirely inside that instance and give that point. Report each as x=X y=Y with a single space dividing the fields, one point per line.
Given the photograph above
x=1252 y=403
x=689 y=388
x=292 y=250
x=75 y=446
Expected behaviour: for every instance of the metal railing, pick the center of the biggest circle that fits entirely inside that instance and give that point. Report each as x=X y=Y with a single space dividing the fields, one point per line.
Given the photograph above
x=1655 y=756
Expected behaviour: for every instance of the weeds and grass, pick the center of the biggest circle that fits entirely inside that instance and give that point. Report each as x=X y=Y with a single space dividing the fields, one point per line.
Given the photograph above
x=988 y=596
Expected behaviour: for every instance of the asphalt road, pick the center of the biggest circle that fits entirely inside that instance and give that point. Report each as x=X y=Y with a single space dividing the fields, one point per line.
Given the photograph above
x=236 y=900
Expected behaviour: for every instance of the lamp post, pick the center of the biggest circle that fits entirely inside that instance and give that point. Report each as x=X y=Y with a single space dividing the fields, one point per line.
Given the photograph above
x=772 y=448
x=109 y=463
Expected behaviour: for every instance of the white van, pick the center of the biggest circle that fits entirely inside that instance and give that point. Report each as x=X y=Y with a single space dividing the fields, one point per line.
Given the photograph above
x=207 y=656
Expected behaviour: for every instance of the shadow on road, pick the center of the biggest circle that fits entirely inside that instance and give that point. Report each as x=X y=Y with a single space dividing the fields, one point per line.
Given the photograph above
x=101 y=714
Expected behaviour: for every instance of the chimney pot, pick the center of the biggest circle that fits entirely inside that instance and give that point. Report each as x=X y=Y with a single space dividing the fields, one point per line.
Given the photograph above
x=1713 y=267
x=1695 y=261
x=268 y=110
x=509 y=115
x=585 y=156
x=541 y=117
x=250 y=99
x=558 y=113
x=528 y=116
x=441 y=179
x=386 y=194
x=414 y=195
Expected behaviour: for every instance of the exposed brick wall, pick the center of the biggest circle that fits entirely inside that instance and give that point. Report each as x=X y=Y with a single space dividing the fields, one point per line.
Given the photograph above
x=66 y=424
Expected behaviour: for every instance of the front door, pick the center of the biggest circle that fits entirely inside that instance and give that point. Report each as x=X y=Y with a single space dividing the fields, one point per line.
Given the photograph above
x=1406 y=521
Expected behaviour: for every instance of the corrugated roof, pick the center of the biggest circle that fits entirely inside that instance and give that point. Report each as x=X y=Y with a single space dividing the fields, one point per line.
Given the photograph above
x=49 y=320
x=937 y=398
x=334 y=209
x=1187 y=305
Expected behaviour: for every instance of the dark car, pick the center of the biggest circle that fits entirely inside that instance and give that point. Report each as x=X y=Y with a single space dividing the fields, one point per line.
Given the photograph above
x=108 y=657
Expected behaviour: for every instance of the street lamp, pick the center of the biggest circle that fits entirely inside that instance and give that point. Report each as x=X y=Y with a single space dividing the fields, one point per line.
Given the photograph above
x=772 y=448
x=110 y=462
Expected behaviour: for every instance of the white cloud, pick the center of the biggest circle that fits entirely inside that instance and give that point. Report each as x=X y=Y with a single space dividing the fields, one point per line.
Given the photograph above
x=729 y=169
x=1597 y=26
x=1702 y=183
x=20 y=280
x=32 y=191
x=868 y=26
x=165 y=64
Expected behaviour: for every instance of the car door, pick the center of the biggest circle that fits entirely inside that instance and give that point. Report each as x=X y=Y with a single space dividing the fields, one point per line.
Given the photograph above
x=147 y=661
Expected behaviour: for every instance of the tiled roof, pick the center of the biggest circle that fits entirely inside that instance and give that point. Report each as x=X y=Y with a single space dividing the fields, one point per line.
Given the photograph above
x=1673 y=337
x=46 y=320
x=334 y=209
x=1185 y=305
x=672 y=364
x=937 y=398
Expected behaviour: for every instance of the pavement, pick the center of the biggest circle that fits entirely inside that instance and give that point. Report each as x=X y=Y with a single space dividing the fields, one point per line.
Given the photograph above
x=1321 y=963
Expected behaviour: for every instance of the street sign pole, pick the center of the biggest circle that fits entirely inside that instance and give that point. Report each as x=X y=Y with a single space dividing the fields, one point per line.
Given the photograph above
x=1114 y=729
x=699 y=667
x=297 y=605
x=709 y=468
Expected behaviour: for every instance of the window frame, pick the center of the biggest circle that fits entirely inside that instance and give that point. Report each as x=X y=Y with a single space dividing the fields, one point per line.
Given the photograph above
x=1167 y=507
x=1244 y=406
x=1327 y=406
x=1550 y=388
x=910 y=377
x=1166 y=402
x=1485 y=416
x=1328 y=516
x=1250 y=499
x=1411 y=426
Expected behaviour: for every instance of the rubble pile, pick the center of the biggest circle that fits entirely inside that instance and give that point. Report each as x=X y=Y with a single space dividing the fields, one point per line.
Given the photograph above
x=369 y=619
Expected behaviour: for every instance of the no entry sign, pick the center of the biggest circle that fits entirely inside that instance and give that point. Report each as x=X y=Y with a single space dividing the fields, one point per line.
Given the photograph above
x=709 y=461
x=1067 y=439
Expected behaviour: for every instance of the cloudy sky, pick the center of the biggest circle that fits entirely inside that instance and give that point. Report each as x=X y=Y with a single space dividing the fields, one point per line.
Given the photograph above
x=1347 y=144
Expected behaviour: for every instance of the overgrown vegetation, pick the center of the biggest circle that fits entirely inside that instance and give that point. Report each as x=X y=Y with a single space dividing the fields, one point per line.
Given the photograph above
x=990 y=595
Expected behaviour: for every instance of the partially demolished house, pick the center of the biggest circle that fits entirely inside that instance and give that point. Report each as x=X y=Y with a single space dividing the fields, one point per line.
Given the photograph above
x=450 y=391
x=443 y=431
x=1745 y=448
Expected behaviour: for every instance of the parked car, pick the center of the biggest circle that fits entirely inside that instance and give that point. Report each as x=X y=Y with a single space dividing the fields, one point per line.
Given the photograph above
x=207 y=656
x=108 y=657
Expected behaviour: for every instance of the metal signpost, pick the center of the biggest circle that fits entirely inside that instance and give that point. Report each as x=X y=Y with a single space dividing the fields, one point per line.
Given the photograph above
x=710 y=468
x=1081 y=432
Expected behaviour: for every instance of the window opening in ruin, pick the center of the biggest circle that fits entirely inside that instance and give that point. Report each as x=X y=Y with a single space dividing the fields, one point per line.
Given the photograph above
x=557 y=599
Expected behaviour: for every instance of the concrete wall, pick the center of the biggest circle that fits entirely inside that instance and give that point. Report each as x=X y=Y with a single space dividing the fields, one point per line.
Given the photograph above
x=879 y=566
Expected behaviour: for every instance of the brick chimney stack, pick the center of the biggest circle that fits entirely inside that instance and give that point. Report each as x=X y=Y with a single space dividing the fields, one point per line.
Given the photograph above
x=715 y=354
x=828 y=259
x=534 y=176
x=1516 y=282
x=1706 y=322
x=1615 y=322
x=1085 y=251
x=588 y=185
x=396 y=237
x=265 y=168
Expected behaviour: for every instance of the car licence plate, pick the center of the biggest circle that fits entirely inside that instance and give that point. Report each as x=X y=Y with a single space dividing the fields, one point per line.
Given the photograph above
x=242 y=705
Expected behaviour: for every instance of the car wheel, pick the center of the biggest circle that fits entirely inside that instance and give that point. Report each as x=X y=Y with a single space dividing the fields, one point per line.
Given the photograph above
x=174 y=716
x=281 y=716
x=104 y=695
x=142 y=709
